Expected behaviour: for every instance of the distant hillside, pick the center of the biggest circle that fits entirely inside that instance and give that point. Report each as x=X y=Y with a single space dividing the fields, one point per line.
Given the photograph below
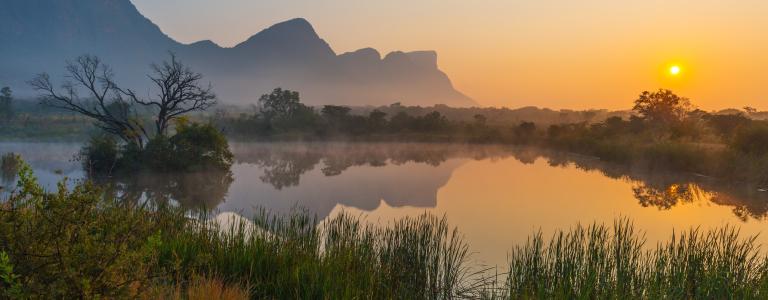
x=39 y=35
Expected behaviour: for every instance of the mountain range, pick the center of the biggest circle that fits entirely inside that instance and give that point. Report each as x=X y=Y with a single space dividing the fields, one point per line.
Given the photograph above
x=40 y=35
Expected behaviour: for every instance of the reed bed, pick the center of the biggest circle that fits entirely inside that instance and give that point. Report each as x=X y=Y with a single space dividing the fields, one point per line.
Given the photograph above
x=611 y=262
x=80 y=243
x=294 y=256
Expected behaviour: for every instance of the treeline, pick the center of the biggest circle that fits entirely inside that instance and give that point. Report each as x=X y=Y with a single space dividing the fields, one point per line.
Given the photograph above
x=281 y=115
x=664 y=131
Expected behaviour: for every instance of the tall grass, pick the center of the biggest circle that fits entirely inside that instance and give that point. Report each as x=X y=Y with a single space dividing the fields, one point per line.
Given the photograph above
x=604 y=262
x=78 y=243
x=289 y=256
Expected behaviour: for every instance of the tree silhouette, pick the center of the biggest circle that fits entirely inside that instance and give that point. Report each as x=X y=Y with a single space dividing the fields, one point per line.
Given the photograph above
x=180 y=91
x=113 y=108
x=662 y=106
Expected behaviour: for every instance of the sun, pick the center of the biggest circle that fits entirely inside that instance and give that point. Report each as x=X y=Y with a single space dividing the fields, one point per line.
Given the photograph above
x=674 y=70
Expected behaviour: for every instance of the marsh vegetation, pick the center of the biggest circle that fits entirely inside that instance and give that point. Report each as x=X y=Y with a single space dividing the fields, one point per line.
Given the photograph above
x=75 y=242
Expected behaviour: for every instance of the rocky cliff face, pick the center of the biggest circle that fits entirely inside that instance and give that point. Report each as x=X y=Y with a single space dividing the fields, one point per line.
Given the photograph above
x=39 y=35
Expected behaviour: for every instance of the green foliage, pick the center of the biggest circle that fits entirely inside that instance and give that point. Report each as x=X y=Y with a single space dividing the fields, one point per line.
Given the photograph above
x=288 y=256
x=197 y=147
x=74 y=243
x=100 y=155
x=194 y=147
x=9 y=282
x=602 y=262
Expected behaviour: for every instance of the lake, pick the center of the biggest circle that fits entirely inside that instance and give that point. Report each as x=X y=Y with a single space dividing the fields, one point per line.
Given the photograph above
x=496 y=195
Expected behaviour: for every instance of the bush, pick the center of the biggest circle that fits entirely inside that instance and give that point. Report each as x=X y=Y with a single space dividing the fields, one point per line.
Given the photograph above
x=194 y=147
x=100 y=155
x=75 y=244
x=200 y=147
x=752 y=140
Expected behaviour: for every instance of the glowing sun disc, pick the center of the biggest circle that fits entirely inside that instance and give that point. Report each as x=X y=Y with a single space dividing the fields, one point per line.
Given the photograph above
x=674 y=70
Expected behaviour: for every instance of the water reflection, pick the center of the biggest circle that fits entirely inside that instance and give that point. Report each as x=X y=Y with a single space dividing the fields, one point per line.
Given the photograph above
x=322 y=176
x=198 y=191
x=284 y=163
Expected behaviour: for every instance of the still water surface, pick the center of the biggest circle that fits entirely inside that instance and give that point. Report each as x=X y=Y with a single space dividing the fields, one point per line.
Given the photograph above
x=496 y=195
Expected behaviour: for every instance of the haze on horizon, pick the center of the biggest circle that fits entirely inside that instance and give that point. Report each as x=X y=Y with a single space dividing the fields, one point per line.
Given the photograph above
x=559 y=54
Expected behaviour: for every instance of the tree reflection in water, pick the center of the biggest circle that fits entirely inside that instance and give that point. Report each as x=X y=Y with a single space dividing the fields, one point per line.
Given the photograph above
x=283 y=165
x=197 y=191
x=665 y=190
x=672 y=195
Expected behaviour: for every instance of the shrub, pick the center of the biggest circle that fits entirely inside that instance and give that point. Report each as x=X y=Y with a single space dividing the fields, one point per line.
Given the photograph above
x=200 y=147
x=194 y=147
x=752 y=140
x=77 y=244
x=100 y=154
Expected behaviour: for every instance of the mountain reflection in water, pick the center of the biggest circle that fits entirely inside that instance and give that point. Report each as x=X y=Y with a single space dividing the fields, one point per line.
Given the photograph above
x=322 y=176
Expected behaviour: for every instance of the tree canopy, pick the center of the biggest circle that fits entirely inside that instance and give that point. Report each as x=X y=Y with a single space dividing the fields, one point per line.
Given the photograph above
x=663 y=106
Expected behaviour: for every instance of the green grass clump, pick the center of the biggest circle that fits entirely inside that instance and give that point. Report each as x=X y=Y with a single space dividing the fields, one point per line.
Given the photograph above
x=289 y=256
x=602 y=262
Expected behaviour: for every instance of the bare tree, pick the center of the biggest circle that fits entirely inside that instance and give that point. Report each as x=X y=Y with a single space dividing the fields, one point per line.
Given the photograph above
x=104 y=102
x=179 y=92
x=113 y=108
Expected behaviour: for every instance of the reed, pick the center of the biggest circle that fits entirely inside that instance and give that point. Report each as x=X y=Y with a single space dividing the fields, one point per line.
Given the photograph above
x=79 y=243
x=611 y=262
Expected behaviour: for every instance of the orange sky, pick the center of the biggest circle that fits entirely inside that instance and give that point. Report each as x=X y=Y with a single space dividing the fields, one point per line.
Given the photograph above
x=558 y=54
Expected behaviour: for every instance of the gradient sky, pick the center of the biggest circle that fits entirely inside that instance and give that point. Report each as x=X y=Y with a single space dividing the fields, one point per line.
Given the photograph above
x=558 y=54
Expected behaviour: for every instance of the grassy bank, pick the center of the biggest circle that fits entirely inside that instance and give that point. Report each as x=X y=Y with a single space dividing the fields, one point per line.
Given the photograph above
x=77 y=243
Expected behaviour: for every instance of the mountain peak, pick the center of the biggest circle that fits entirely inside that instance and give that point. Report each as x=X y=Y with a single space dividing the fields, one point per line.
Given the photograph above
x=292 y=38
x=297 y=24
x=298 y=29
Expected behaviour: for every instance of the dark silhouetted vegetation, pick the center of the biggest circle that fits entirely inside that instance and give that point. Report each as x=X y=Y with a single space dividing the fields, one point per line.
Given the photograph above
x=9 y=167
x=6 y=105
x=121 y=114
x=664 y=132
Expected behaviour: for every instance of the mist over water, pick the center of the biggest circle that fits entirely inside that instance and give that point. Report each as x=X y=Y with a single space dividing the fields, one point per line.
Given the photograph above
x=496 y=195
